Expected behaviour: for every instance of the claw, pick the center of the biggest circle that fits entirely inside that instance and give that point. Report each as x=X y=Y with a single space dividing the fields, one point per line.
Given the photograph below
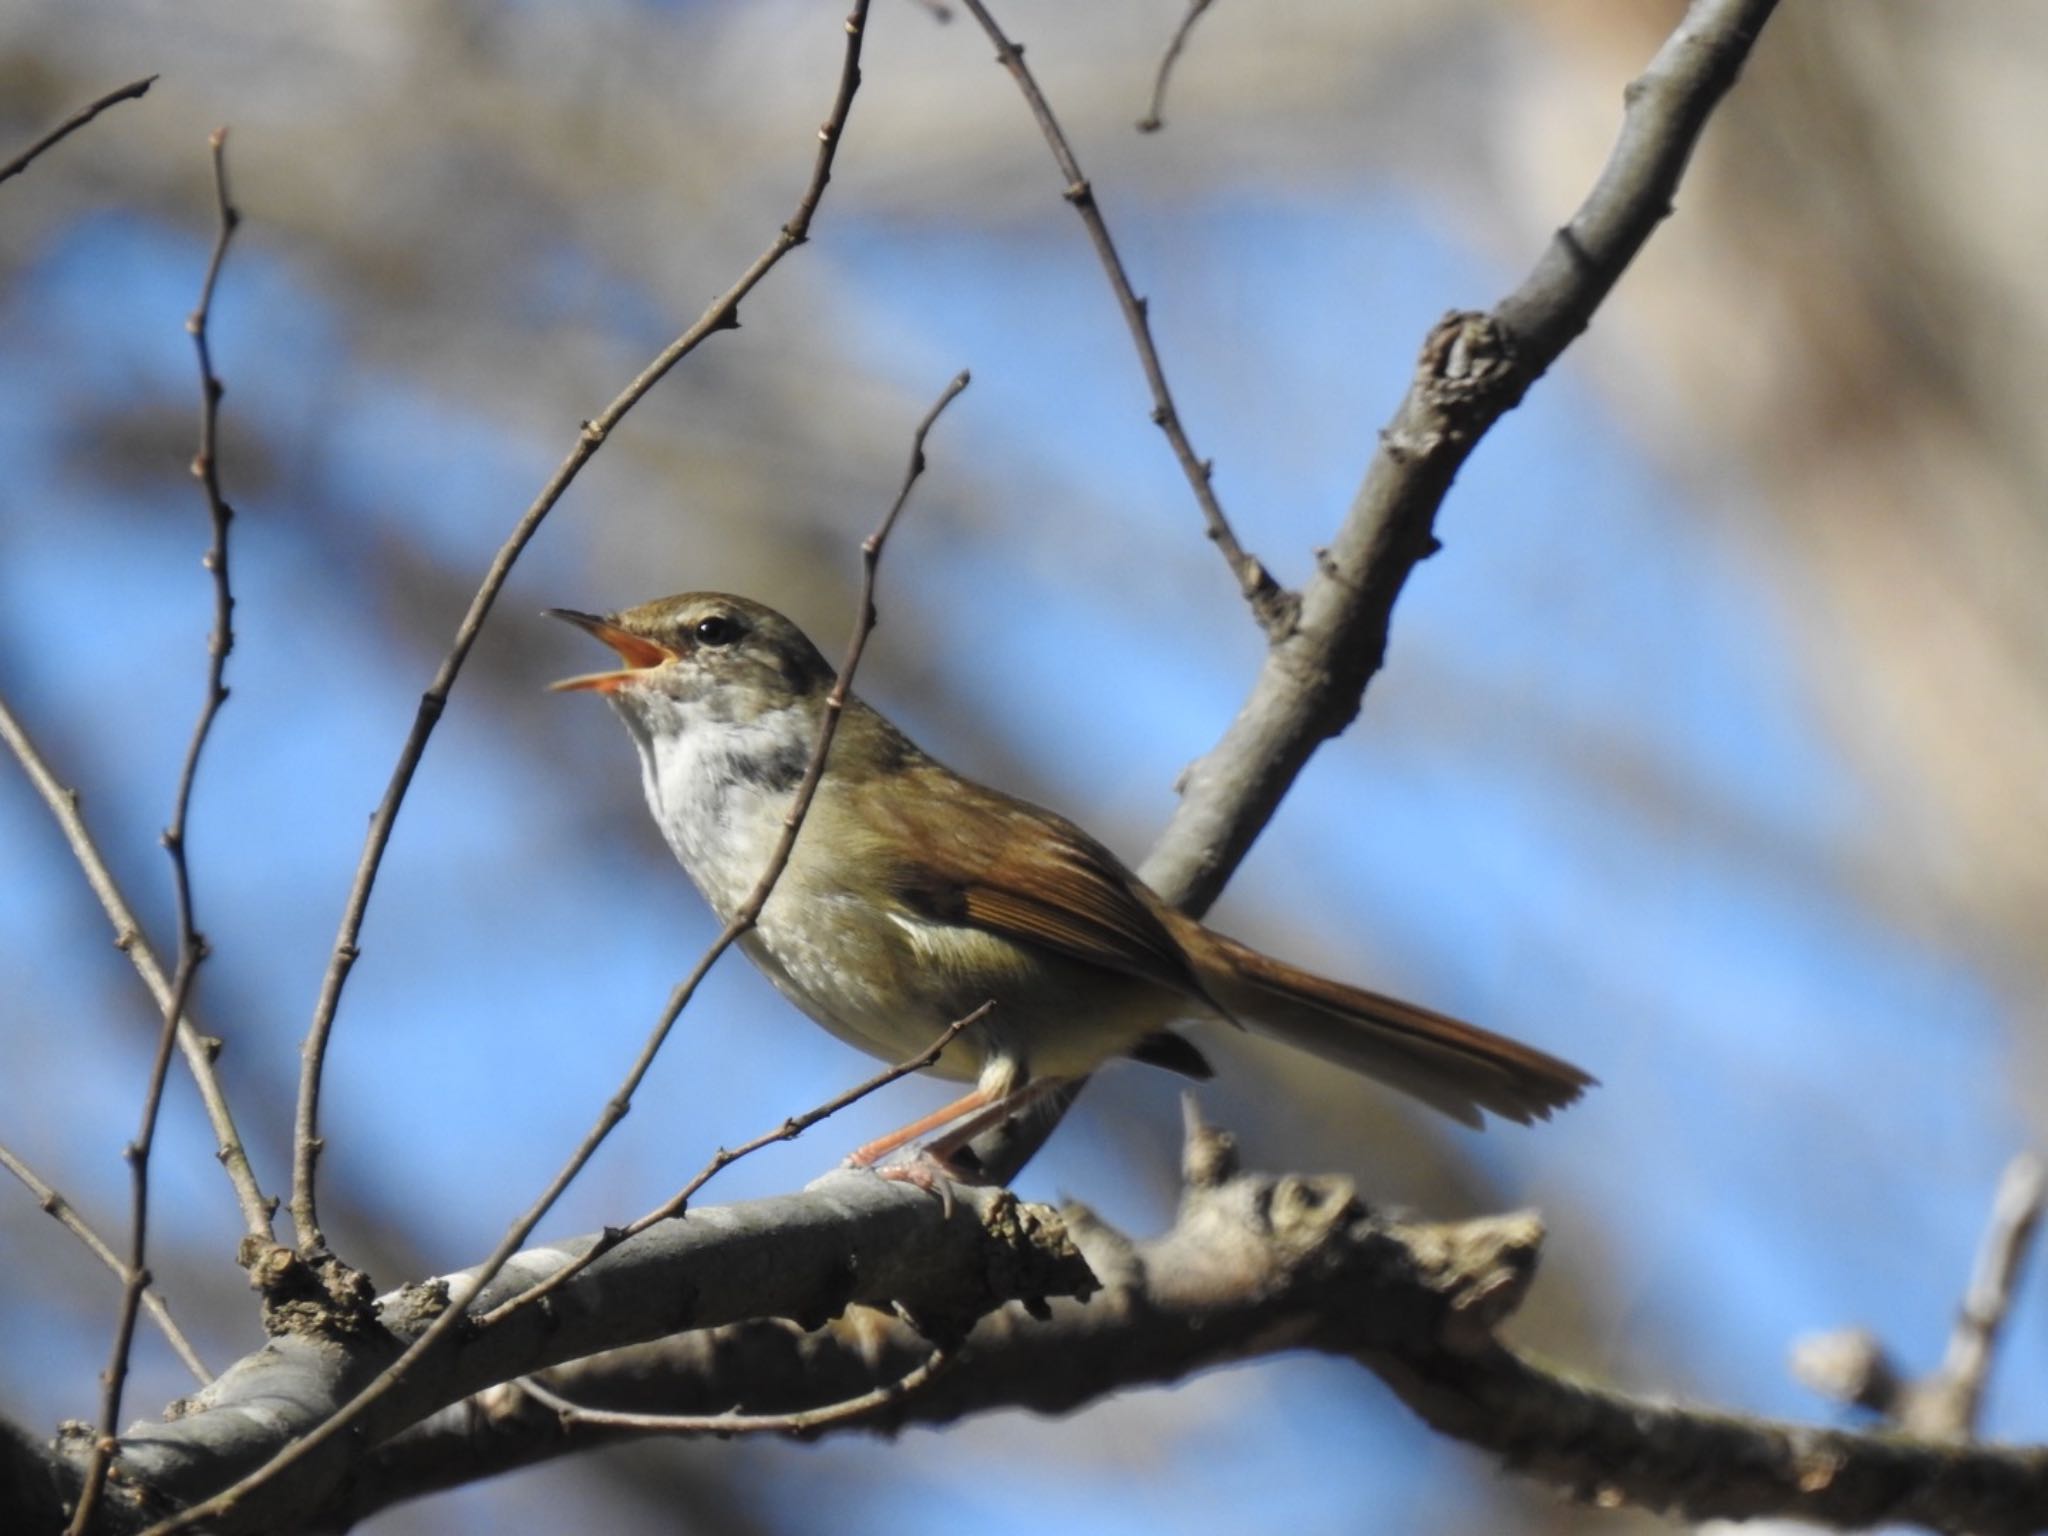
x=930 y=1173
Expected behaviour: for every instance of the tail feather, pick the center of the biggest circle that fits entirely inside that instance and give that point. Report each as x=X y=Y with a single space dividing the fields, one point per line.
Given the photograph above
x=1455 y=1067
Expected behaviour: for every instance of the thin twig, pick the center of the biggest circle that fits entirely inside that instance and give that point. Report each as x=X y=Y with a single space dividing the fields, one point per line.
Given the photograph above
x=1153 y=121
x=1852 y=1365
x=191 y=947
x=1272 y=604
x=199 y=1049
x=616 y=1107
x=63 y=802
x=724 y=1158
x=795 y=1423
x=2015 y=1217
x=132 y=91
x=66 y=1214
x=723 y=314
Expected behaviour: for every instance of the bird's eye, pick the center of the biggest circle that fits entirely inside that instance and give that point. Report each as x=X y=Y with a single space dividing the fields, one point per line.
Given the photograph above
x=717 y=630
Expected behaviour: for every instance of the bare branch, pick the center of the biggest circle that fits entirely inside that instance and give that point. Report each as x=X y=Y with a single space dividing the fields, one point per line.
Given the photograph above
x=56 y=1205
x=723 y=314
x=132 y=91
x=191 y=947
x=804 y=1421
x=851 y=1239
x=199 y=1049
x=1949 y=1410
x=723 y=1159
x=1153 y=120
x=1272 y=604
x=1474 y=368
x=1853 y=1366
x=1255 y=1265
x=359 y=1405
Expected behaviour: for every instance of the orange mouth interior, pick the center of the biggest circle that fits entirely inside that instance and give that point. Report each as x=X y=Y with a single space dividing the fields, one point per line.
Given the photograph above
x=638 y=653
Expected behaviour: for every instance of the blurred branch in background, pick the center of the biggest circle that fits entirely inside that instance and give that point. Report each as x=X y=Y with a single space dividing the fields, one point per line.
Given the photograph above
x=1155 y=118
x=1854 y=1367
x=133 y=91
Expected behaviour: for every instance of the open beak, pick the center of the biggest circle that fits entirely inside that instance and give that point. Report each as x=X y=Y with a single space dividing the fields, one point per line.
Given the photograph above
x=638 y=654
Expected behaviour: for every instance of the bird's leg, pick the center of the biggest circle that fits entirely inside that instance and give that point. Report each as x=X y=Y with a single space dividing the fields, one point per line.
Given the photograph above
x=931 y=1167
x=968 y=1104
x=972 y=1124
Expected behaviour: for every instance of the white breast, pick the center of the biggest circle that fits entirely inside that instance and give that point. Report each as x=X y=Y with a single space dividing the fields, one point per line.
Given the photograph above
x=720 y=795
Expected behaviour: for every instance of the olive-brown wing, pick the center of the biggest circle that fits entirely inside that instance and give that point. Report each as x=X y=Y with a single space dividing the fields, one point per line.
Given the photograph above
x=985 y=860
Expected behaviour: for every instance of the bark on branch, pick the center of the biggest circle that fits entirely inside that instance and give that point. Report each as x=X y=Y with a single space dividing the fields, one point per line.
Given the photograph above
x=1474 y=368
x=851 y=1238
x=1255 y=1265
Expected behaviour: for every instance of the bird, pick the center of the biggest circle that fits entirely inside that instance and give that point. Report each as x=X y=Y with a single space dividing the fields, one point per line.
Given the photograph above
x=914 y=896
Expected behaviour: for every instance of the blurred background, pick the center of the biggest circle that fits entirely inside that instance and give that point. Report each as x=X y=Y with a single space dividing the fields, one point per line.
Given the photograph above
x=1712 y=753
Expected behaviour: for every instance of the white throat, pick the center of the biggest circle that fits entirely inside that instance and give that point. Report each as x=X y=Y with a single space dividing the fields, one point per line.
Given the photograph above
x=718 y=787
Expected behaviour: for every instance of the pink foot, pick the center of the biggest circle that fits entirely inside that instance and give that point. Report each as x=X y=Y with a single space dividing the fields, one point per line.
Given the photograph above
x=928 y=1172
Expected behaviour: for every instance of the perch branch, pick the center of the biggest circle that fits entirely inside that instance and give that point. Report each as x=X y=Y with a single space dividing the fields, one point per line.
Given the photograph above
x=850 y=1239
x=1256 y=1265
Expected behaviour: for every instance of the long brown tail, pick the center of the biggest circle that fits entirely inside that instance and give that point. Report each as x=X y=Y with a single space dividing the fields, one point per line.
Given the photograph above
x=1449 y=1065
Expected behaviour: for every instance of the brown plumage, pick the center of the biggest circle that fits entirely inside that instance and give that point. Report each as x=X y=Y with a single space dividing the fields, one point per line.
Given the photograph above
x=913 y=896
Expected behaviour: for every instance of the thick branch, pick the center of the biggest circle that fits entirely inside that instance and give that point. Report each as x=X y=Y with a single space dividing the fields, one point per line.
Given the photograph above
x=1256 y=1265
x=851 y=1238
x=1473 y=369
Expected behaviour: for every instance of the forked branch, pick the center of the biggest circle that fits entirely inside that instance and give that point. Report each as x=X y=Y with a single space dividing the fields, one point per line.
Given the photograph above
x=1272 y=604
